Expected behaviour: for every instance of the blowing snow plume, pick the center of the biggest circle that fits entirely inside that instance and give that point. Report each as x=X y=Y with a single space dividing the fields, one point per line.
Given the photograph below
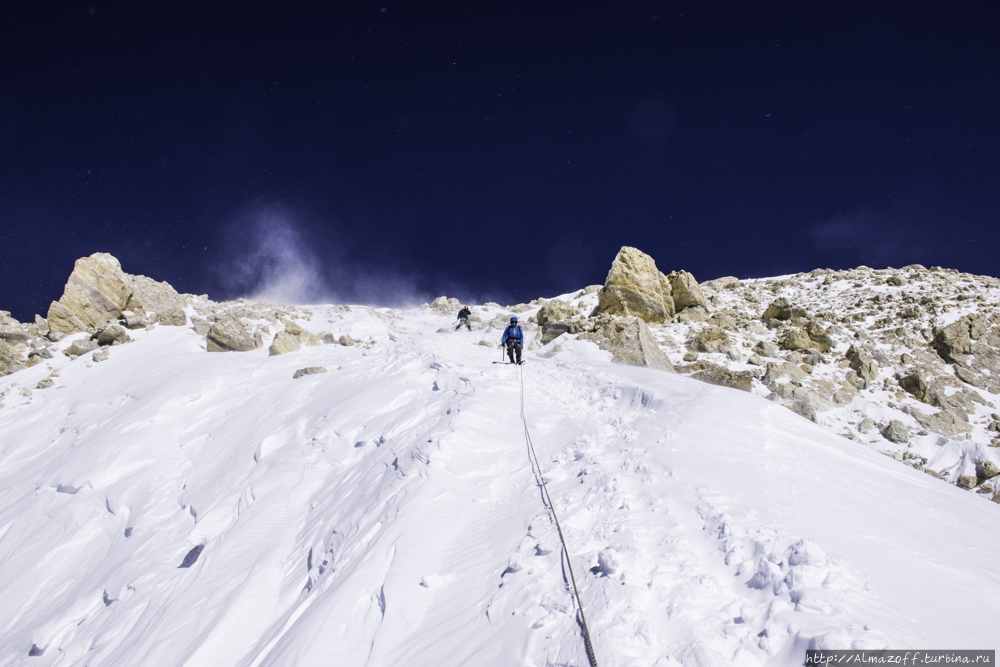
x=275 y=256
x=272 y=260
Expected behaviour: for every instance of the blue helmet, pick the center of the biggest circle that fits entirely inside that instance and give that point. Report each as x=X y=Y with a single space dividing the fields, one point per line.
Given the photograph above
x=513 y=320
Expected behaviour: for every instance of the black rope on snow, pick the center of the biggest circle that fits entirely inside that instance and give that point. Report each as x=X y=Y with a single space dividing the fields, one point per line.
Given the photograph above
x=552 y=509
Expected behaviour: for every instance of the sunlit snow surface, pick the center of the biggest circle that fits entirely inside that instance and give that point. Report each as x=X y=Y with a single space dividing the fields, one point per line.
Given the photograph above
x=385 y=513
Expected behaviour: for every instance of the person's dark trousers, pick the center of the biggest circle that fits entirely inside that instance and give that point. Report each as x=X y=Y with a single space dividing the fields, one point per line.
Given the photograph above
x=466 y=323
x=512 y=349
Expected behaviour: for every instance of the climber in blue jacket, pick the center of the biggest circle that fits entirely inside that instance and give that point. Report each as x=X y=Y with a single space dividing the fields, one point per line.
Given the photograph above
x=513 y=340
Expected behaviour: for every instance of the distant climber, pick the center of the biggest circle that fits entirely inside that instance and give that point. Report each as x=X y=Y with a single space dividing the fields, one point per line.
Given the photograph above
x=463 y=318
x=513 y=340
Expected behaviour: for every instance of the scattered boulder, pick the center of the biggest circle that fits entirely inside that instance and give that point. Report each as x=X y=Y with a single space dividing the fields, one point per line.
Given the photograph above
x=780 y=309
x=685 y=290
x=709 y=339
x=554 y=310
x=283 y=343
x=724 y=377
x=132 y=320
x=843 y=396
x=111 y=335
x=445 y=306
x=174 y=317
x=820 y=338
x=796 y=339
x=987 y=469
x=915 y=384
x=308 y=370
x=863 y=364
x=63 y=321
x=553 y=330
x=101 y=354
x=782 y=372
x=81 y=347
x=629 y=341
x=305 y=338
x=967 y=481
x=969 y=376
x=896 y=432
x=693 y=314
x=719 y=284
x=723 y=321
x=329 y=339
x=347 y=341
x=150 y=296
x=953 y=342
x=230 y=334
x=200 y=326
x=766 y=349
x=10 y=360
x=11 y=330
x=486 y=343
x=866 y=425
x=499 y=322
x=946 y=422
x=803 y=409
x=635 y=288
x=813 y=337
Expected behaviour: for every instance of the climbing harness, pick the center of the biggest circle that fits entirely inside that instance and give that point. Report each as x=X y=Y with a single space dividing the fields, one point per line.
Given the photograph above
x=537 y=468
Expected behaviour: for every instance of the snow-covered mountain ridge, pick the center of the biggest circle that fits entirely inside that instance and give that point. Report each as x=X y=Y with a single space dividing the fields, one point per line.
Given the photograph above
x=166 y=506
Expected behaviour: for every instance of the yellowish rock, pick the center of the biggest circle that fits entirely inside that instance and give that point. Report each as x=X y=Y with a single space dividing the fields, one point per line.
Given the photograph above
x=635 y=288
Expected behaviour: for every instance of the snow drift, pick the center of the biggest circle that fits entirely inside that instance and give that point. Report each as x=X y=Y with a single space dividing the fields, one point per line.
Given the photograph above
x=168 y=506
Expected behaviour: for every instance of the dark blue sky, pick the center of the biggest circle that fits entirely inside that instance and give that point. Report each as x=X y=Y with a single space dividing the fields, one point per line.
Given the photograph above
x=392 y=151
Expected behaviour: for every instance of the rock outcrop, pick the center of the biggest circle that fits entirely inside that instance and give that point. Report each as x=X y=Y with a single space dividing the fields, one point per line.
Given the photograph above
x=629 y=341
x=10 y=360
x=553 y=311
x=12 y=331
x=81 y=347
x=635 y=288
x=292 y=339
x=780 y=309
x=863 y=364
x=896 y=432
x=305 y=337
x=174 y=317
x=812 y=337
x=553 y=330
x=709 y=339
x=98 y=292
x=685 y=291
x=230 y=334
x=444 y=306
x=724 y=377
x=111 y=335
x=283 y=343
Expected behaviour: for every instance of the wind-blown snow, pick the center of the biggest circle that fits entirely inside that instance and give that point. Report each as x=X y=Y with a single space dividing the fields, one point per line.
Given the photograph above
x=385 y=513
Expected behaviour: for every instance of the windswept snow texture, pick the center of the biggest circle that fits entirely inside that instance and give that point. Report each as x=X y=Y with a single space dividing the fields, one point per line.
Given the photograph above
x=173 y=507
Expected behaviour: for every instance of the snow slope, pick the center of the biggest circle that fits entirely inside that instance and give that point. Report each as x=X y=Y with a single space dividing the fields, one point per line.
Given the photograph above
x=386 y=513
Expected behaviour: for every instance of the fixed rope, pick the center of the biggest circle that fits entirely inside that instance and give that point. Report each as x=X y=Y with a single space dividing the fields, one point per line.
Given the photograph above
x=552 y=508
